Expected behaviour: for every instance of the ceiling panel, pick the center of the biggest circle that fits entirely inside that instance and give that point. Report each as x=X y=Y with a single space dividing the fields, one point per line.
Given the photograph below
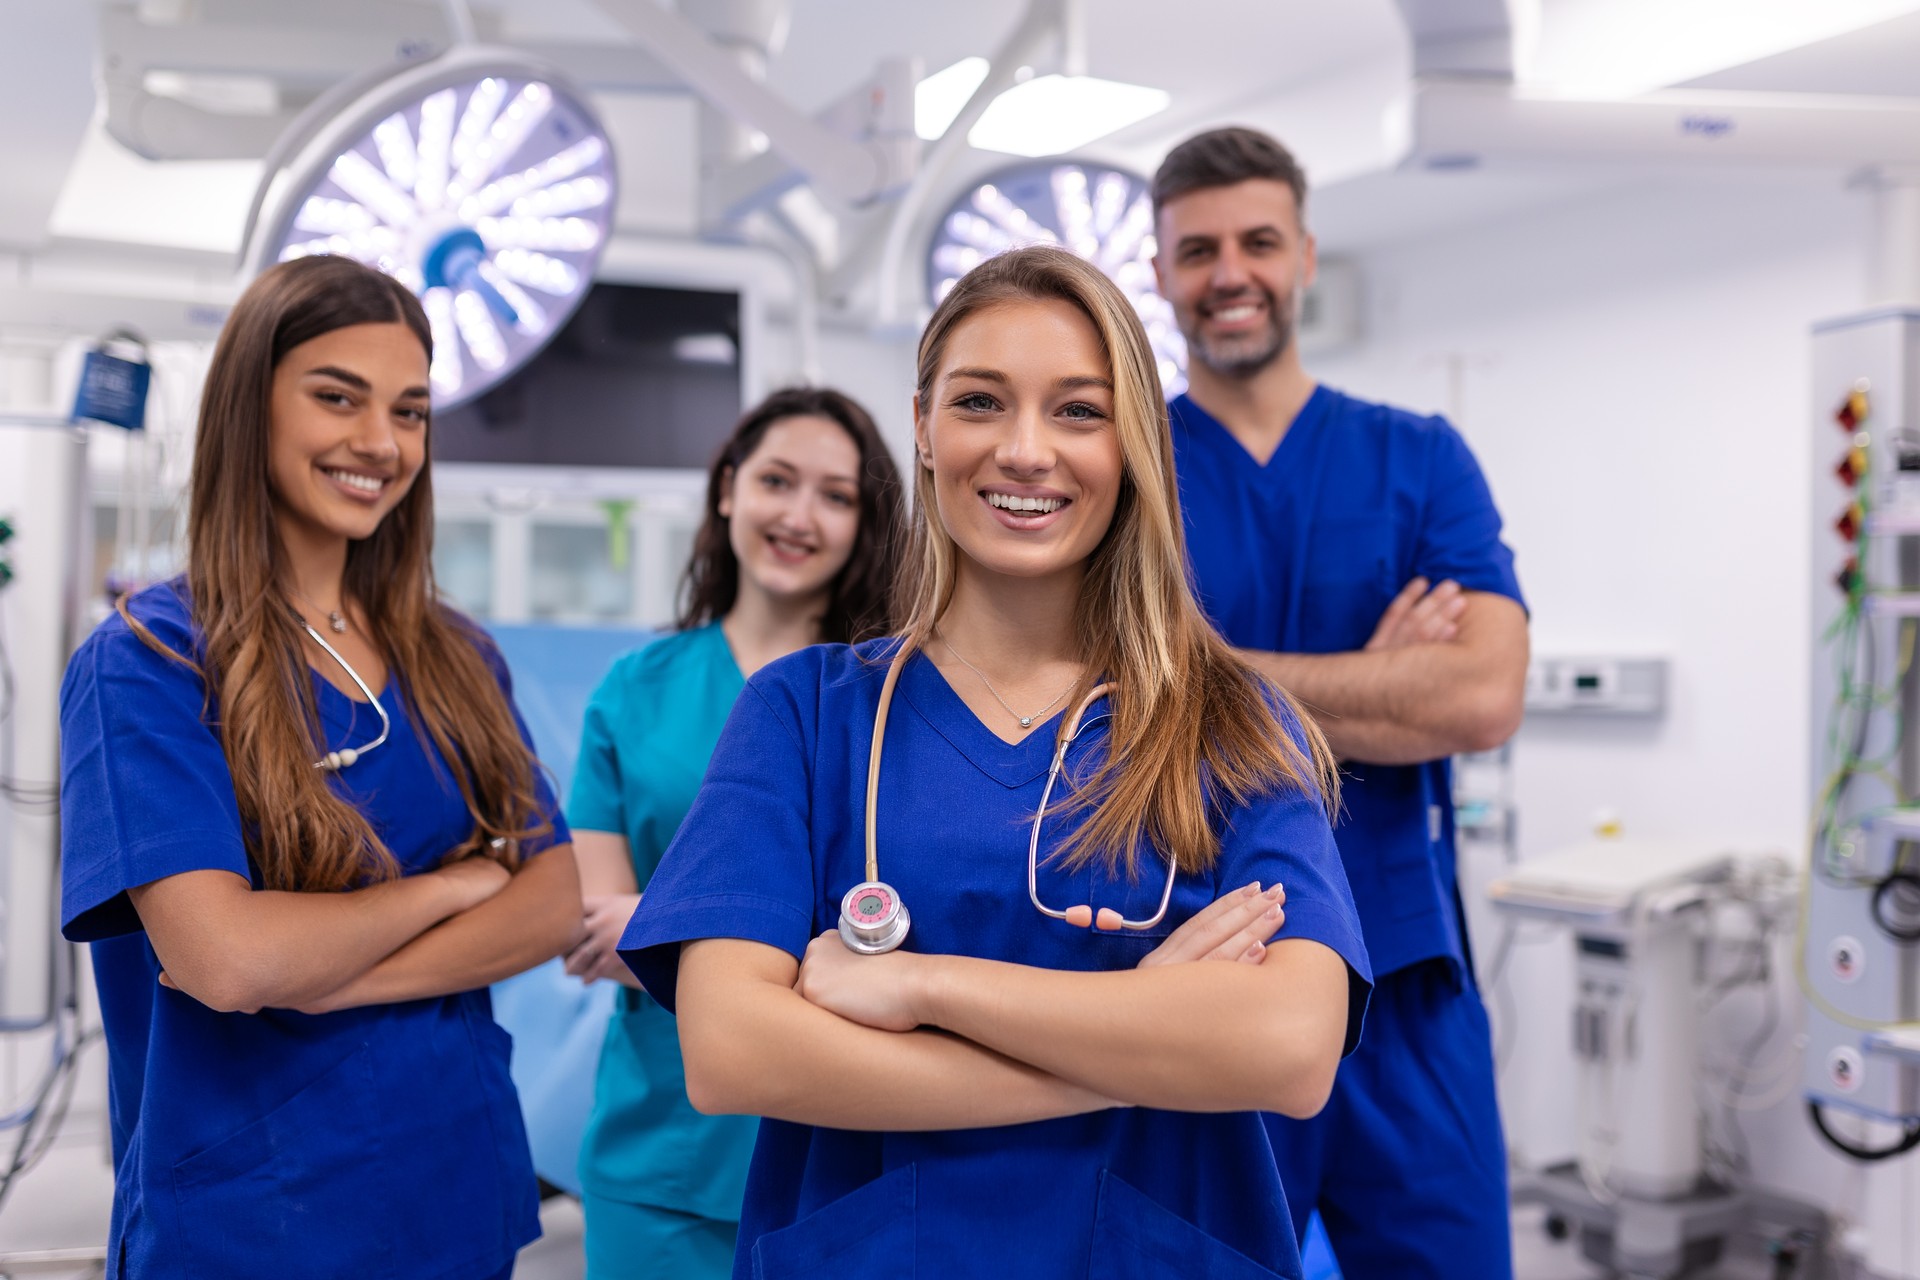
x=1199 y=50
x=46 y=98
x=1881 y=59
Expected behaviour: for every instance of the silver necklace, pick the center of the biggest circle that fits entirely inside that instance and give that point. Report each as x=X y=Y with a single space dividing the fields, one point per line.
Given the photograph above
x=1026 y=722
x=336 y=622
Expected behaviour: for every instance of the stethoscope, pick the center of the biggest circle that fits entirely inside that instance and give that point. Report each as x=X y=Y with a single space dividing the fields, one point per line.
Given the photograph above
x=872 y=917
x=338 y=760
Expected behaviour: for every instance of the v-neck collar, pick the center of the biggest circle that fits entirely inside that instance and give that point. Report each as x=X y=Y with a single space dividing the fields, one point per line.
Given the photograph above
x=1279 y=464
x=328 y=687
x=1011 y=764
x=724 y=657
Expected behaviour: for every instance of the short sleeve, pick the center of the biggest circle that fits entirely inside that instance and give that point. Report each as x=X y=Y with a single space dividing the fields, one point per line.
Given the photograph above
x=594 y=801
x=546 y=803
x=1460 y=533
x=144 y=788
x=1285 y=839
x=741 y=864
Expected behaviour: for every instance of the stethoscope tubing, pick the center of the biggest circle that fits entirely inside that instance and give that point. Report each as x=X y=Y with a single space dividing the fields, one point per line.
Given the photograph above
x=337 y=760
x=1070 y=728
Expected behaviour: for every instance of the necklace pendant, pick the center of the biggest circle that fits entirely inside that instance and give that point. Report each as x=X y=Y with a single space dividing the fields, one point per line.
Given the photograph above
x=1026 y=722
x=336 y=623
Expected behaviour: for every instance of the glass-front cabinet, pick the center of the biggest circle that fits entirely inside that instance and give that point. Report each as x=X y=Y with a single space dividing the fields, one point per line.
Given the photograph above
x=573 y=547
x=589 y=547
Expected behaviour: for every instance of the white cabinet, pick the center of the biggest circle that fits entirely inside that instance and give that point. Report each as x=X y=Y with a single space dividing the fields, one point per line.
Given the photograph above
x=602 y=546
x=575 y=547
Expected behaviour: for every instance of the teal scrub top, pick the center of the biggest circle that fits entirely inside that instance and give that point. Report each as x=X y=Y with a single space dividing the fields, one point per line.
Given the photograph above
x=651 y=727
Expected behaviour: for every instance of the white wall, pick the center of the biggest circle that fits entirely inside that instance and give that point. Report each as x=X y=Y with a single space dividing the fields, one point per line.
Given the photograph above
x=1634 y=376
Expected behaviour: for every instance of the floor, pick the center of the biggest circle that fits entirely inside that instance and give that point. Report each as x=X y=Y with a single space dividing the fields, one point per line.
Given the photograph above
x=55 y=1220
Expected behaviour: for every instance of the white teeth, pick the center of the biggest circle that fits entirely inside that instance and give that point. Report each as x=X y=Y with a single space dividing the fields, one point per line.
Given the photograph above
x=1041 y=506
x=1233 y=313
x=366 y=484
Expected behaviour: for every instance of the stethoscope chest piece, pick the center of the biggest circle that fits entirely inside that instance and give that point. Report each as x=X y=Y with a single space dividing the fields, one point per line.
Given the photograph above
x=872 y=918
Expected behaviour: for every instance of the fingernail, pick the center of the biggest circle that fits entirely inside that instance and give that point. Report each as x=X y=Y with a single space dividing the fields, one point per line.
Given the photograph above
x=1255 y=951
x=1275 y=892
x=1275 y=911
x=1252 y=888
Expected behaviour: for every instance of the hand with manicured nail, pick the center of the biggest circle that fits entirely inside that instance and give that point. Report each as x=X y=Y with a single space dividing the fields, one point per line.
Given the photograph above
x=1235 y=926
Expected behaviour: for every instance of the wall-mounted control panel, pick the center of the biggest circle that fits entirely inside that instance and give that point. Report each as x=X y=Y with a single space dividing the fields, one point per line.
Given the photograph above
x=1597 y=686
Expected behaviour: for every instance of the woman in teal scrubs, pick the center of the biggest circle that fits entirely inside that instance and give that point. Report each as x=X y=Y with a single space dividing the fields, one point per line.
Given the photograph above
x=803 y=512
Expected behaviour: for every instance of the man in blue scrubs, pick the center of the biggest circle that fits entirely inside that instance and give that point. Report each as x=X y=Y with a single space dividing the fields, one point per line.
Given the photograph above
x=1353 y=550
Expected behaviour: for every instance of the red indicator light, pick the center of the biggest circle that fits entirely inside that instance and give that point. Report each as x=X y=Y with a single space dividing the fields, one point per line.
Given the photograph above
x=1848 y=525
x=1853 y=410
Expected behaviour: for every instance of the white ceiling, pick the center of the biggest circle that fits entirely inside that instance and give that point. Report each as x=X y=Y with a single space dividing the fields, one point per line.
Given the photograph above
x=1883 y=59
x=1320 y=73
x=46 y=98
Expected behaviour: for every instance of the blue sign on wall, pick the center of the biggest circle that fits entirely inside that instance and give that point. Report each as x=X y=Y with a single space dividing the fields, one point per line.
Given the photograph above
x=113 y=390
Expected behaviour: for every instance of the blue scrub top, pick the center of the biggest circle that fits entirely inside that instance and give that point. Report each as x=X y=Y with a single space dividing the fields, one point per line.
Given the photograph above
x=381 y=1141
x=1303 y=555
x=776 y=837
x=650 y=729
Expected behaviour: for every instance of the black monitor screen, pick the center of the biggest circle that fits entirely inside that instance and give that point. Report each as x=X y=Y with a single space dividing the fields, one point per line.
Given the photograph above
x=639 y=377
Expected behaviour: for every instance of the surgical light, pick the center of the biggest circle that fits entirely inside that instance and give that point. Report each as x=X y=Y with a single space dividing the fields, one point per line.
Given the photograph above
x=1051 y=115
x=1101 y=213
x=478 y=178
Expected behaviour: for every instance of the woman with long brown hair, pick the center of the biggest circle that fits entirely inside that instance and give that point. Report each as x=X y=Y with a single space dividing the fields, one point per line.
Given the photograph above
x=986 y=918
x=303 y=827
x=803 y=522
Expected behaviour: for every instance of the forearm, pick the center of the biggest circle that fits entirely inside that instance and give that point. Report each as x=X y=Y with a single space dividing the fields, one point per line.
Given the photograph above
x=1399 y=706
x=535 y=918
x=247 y=949
x=753 y=1045
x=769 y=1052
x=1184 y=1037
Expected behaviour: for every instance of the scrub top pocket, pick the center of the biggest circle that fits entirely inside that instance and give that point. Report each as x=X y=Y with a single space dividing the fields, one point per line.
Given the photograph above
x=1134 y=1238
x=866 y=1234
x=290 y=1178
x=353 y=1175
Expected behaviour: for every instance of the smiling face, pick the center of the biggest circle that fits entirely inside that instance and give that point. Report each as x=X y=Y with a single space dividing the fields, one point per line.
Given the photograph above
x=1019 y=439
x=1233 y=261
x=793 y=508
x=349 y=431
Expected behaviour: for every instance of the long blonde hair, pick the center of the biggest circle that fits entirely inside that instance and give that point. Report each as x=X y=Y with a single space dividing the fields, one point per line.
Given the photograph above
x=298 y=832
x=1195 y=730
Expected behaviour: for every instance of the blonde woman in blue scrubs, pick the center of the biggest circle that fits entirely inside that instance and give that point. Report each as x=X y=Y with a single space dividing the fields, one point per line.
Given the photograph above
x=804 y=512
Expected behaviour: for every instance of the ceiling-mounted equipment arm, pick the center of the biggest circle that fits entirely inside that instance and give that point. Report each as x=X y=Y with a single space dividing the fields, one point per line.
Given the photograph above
x=1465 y=38
x=877 y=113
x=1043 y=20
x=854 y=172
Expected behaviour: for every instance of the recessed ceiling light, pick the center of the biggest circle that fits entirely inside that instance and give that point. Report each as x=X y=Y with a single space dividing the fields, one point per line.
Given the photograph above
x=938 y=98
x=1051 y=115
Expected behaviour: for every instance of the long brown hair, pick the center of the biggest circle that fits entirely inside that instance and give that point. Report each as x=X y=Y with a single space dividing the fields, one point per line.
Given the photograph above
x=299 y=834
x=860 y=600
x=1195 y=730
